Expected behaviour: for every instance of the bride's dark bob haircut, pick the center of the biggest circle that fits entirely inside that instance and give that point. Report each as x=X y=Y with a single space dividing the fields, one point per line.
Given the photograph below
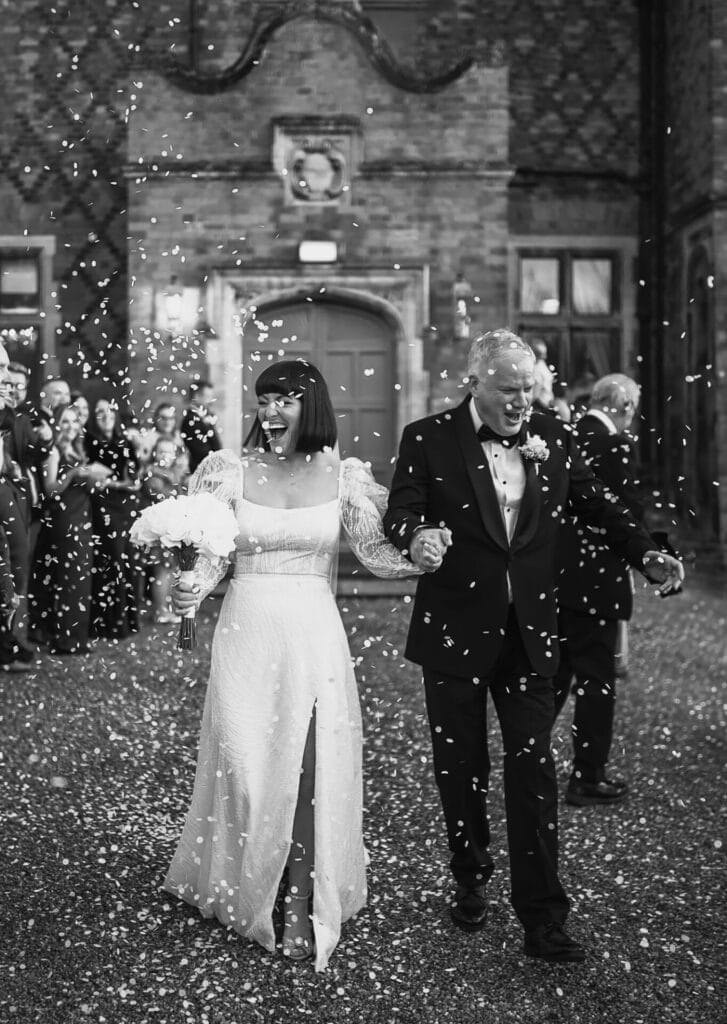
x=317 y=425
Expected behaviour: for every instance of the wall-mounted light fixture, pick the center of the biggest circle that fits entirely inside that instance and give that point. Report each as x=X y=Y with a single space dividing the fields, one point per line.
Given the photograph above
x=317 y=250
x=178 y=310
x=461 y=295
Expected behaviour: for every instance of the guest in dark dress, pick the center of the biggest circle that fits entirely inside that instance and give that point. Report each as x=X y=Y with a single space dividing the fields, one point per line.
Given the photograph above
x=62 y=568
x=199 y=424
x=162 y=478
x=115 y=502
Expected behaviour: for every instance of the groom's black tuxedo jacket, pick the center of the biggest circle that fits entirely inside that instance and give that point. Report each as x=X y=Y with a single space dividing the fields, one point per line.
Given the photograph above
x=592 y=579
x=442 y=478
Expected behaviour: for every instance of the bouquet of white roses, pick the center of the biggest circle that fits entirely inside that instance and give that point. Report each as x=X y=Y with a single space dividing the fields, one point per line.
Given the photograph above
x=194 y=524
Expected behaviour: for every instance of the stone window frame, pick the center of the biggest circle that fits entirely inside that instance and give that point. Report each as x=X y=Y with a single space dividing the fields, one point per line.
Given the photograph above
x=45 y=318
x=622 y=319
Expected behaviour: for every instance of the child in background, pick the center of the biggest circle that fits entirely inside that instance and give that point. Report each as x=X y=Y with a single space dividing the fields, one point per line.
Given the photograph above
x=163 y=479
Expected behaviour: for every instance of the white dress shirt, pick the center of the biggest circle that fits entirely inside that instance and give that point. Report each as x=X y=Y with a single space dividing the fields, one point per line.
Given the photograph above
x=604 y=418
x=508 y=475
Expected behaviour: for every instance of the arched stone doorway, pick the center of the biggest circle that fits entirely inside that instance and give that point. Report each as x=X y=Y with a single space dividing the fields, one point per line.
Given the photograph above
x=354 y=347
x=351 y=322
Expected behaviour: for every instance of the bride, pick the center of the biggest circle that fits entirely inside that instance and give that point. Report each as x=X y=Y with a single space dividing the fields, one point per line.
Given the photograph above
x=278 y=779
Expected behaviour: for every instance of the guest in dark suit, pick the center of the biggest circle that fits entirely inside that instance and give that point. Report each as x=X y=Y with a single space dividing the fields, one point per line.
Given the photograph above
x=199 y=424
x=595 y=593
x=18 y=377
x=23 y=448
x=487 y=618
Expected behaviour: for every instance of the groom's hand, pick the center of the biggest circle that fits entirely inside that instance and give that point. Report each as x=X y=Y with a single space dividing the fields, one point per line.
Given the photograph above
x=664 y=569
x=428 y=548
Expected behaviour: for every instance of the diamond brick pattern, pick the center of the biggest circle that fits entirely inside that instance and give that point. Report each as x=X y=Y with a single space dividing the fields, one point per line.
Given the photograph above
x=585 y=58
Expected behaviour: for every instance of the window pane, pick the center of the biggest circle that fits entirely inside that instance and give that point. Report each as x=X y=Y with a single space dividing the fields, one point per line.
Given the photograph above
x=592 y=282
x=19 y=285
x=540 y=284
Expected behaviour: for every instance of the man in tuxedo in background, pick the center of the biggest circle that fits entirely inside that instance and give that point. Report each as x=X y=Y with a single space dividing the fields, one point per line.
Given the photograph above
x=24 y=447
x=199 y=424
x=487 y=618
x=595 y=593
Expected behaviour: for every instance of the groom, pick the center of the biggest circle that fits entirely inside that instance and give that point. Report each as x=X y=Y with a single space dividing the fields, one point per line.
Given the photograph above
x=487 y=619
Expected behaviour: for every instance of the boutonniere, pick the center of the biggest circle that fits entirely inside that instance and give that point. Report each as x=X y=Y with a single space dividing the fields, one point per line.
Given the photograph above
x=534 y=449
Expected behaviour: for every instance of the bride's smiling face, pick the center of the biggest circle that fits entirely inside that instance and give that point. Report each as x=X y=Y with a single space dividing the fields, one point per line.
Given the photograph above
x=279 y=417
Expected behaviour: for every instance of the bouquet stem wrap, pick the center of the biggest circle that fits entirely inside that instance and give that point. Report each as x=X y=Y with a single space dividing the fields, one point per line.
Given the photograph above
x=197 y=524
x=187 y=630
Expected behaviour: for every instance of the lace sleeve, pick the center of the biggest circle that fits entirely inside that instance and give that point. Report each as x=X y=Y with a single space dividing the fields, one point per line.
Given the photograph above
x=363 y=503
x=220 y=474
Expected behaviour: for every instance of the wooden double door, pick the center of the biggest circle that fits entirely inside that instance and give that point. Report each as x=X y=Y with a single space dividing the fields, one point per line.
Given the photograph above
x=354 y=349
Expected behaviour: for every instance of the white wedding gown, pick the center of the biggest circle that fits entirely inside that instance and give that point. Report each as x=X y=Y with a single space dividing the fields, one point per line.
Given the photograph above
x=279 y=651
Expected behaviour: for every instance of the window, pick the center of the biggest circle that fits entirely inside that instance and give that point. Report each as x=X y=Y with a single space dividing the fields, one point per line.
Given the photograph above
x=27 y=311
x=575 y=300
x=19 y=284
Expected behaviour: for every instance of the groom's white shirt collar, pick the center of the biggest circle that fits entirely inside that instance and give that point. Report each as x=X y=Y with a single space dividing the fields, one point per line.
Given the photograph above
x=476 y=418
x=604 y=418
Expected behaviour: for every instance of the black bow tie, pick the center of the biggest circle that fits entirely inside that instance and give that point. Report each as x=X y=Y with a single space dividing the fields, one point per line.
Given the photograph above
x=486 y=433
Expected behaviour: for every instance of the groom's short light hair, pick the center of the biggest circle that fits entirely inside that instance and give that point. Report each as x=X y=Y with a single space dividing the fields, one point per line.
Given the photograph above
x=615 y=391
x=487 y=347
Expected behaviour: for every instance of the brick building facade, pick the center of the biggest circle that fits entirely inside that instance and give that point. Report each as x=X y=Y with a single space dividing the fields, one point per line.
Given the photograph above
x=552 y=164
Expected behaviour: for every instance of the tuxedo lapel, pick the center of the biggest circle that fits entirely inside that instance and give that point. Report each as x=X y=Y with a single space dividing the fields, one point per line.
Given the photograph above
x=527 y=520
x=480 y=475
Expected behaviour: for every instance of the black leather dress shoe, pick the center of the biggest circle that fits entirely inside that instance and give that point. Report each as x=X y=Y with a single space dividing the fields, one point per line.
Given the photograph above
x=469 y=908
x=586 y=794
x=549 y=942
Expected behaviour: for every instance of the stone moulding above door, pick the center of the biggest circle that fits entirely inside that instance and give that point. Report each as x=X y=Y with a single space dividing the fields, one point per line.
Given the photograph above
x=233 y=295
x=190 y=78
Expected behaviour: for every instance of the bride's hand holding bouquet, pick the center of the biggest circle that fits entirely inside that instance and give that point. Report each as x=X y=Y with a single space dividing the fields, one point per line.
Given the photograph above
x=193 y=525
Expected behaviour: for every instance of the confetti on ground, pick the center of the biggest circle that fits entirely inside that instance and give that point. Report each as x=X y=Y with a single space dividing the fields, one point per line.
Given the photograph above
x=97 y=760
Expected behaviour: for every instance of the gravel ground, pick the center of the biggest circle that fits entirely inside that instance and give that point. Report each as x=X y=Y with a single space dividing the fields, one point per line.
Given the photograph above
x=97 y=764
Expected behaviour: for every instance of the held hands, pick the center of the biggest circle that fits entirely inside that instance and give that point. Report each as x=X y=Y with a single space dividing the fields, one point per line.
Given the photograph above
x=428 y=548
x=664 y=569
x=184 y=596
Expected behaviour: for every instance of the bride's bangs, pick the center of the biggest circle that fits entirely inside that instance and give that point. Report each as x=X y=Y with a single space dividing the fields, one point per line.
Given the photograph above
x=317 y=427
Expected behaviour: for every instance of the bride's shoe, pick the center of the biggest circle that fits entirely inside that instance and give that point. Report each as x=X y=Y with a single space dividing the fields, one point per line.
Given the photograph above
x=298 y=927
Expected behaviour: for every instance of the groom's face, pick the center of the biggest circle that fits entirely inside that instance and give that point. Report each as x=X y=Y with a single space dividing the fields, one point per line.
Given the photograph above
x=503 y=390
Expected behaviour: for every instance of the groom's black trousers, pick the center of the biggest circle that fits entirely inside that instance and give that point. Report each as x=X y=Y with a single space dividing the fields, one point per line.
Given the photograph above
x=457 y=710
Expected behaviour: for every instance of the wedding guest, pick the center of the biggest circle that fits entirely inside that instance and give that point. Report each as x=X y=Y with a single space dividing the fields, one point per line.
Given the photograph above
x=543 y=378
x=22 y=448
x=162 y=479
x=17 y=385
x=55 y=395
x=15 y=653
x=486 y=621
x=547 y=393
x=79 y=402
x=165 y=426
x=9 y=600
x=199 y=424
x=595 y=593
x=115 y=503
x=580 y=395
x=18 y=376
x=62 y=569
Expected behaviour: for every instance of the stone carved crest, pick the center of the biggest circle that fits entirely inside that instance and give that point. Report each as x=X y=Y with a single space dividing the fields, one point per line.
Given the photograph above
x=316 y=158
x=317 y=172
